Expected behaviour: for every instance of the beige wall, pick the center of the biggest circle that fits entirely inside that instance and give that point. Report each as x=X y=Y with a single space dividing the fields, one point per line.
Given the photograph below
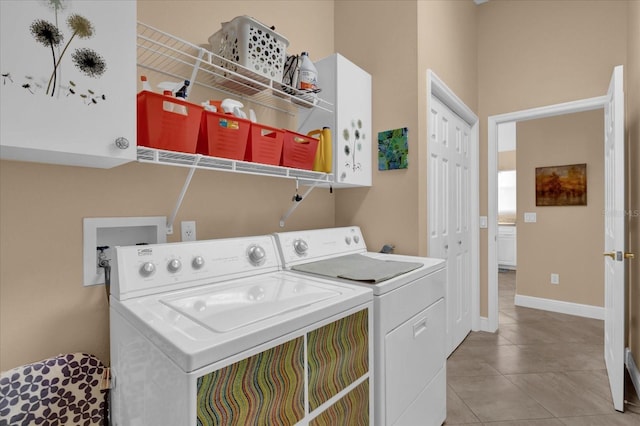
x=565 y=240
x=397 y=42
x=632 y=86
x=507 y=160
x=383 y=43
x=44 y=308
x=537 y=53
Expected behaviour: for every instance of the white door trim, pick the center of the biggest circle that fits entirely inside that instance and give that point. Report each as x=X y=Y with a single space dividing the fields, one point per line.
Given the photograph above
x=437 y=88
x=492 y=171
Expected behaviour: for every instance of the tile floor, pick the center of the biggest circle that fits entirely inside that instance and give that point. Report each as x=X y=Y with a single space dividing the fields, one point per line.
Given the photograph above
x=540 y=369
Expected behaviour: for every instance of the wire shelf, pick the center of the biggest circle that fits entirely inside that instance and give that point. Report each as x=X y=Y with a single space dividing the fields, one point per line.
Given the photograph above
x=164 y=53
x=198 y=161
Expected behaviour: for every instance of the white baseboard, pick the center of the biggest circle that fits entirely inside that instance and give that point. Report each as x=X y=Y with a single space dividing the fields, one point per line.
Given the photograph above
x=587 y=311
x=508 y=267
x=632 y=368
x=484 y=325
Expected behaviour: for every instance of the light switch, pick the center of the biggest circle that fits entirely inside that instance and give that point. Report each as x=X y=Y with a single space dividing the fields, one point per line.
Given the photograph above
x=530 y=217
x=483 y=222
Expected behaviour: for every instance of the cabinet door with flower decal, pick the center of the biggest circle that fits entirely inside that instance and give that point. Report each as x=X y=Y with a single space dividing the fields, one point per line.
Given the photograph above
x=347 y=88
x=67 y=94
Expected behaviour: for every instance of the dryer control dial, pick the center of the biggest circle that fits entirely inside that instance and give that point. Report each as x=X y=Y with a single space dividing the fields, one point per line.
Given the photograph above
x=300 y=246
x=147 y=269
x=356 y=239
x=256 y=254
x=174 y=265
x=347 y=240
x=197 y=262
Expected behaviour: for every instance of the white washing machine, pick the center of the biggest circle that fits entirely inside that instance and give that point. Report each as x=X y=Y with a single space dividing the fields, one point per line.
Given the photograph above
x=409 y=317
x=215 y=332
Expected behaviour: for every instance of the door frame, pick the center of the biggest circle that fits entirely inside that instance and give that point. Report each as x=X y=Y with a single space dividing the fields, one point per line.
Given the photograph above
x=437 y=88
x=490 y=323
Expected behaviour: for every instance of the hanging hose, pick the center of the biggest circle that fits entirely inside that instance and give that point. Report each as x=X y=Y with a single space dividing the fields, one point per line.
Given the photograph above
x=103 y=263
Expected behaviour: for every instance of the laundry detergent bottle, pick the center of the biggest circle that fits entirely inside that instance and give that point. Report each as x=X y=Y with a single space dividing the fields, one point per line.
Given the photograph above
x=308 y=74
x=324 y=154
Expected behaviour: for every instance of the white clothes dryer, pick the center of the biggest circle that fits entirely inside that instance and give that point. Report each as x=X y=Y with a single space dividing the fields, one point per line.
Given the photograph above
x=409 y=317
x=216 y=332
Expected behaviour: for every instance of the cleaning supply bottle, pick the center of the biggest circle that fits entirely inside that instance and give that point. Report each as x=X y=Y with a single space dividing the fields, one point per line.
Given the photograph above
x=145 y=84
x=308 y=75
x=167 y=103
x=181 y=94
x=182 y=91
x=323 y=162
x=210 y=106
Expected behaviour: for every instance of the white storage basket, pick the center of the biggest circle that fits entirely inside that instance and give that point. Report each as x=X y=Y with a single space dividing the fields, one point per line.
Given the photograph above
x=260 y=51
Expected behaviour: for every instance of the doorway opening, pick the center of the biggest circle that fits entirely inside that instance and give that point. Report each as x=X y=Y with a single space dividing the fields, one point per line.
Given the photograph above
x=494 y=123
x=614 y=222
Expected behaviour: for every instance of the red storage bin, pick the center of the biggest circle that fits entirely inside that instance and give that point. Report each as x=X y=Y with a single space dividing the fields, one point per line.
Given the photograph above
x=265 y=144
x=298 y=151
x=223 y=135
x=167 y=123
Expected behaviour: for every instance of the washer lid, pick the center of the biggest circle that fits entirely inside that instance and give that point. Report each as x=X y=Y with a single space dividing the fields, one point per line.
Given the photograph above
x=231 y=307
x=201 y=326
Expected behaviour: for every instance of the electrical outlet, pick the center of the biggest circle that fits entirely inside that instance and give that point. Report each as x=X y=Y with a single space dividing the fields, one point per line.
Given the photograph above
x=555 y=279
x=188 y=229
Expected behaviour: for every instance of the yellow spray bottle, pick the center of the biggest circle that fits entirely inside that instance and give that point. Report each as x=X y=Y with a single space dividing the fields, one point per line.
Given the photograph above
x=324 y=154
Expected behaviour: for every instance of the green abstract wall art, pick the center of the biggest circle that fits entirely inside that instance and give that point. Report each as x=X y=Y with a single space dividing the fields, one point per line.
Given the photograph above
x=393 y=149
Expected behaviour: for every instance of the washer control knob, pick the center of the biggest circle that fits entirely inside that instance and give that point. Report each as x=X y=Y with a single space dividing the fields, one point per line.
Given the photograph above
x=174 y=265
x=347 y=240
x=197 y=262
x=300 y=246
x=147 y=269
x=356 y=239
x=256 y=254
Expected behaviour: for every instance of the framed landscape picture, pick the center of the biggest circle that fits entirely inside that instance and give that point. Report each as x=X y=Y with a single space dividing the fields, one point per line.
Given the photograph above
x=561 y=185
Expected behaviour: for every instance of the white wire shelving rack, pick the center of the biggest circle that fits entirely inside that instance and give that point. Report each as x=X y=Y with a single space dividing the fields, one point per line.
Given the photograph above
x=166 y=54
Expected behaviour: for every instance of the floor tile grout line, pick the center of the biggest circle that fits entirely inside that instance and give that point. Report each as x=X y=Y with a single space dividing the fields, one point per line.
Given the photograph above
x=465 y=404
x=560 y=372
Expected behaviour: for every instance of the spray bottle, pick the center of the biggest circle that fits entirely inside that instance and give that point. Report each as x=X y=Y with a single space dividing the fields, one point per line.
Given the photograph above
x=145 y=84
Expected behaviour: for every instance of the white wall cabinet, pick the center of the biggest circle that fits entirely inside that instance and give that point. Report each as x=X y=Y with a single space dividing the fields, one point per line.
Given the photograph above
x=68 y=86
x=348 y=88
x=507 y=254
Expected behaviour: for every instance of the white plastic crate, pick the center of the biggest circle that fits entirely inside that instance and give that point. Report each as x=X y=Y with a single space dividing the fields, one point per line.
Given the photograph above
x=259 y=50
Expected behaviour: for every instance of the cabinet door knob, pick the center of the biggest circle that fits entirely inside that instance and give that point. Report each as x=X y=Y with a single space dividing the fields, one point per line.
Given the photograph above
x=122 y=143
